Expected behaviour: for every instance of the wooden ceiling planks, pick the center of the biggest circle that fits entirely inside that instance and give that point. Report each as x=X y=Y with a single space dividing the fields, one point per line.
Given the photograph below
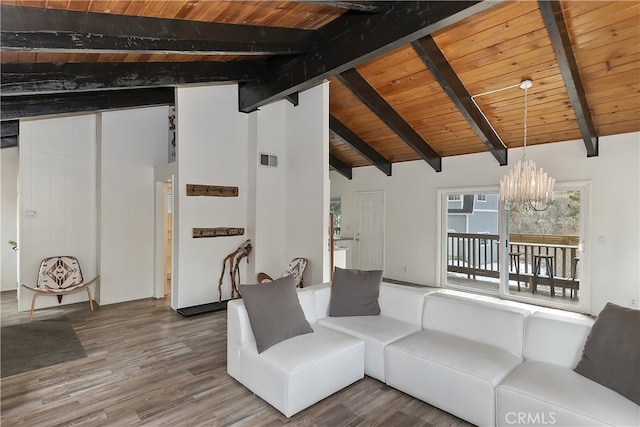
x=413 y=92
x=347 y=108
x=607 y=49
x=265 y=13
x=490 y=50
x=508 y=44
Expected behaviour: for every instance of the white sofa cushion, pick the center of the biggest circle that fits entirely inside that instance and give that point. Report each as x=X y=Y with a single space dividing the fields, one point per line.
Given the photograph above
x=403 y=303
x=537 y=390
x=451 y=372
x=496 y=324
x=376 y=332
x=555 y=338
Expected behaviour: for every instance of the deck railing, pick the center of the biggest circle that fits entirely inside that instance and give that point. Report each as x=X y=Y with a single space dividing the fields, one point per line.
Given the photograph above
x=479 y=255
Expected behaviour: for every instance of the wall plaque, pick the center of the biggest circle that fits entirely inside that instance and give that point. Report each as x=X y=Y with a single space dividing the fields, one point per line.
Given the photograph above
x=217 y=232
x=211 y=190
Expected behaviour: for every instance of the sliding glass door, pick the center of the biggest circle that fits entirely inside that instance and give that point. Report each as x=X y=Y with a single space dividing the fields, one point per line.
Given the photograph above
x=535 y=257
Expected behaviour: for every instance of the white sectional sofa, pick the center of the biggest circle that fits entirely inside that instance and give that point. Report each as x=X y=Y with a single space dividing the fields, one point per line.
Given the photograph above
x=488 y=362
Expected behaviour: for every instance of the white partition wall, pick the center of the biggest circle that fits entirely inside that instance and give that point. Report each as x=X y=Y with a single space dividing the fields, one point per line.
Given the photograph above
x=307 y=182
x=283 y=209
x=211 y=150
x=292 y=200
x=132 y=142
x=57 y=198
x=270 y=198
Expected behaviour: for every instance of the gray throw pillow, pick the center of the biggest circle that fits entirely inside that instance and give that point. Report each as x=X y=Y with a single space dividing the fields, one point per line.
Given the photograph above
x=611 y=355
x=355 y=293
x=274 y=312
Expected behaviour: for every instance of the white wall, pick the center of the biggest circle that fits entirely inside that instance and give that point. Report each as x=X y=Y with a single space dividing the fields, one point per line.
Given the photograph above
x=132 y=142
x=9 y=162
x=307 y=182
x=269 y=243
x=292 y=200
x=284 y=210
x=411 y=208
x=212 y=149
x=58 y=182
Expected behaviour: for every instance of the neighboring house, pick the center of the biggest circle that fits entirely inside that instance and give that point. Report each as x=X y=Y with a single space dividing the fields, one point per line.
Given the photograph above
x=473 y=213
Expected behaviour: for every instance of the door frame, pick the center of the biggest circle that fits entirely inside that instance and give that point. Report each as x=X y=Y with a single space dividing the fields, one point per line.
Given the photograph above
x=356 y=245
x=160 y=276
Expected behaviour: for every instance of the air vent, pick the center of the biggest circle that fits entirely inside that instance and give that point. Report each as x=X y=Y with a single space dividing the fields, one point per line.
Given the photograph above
x=269 y=160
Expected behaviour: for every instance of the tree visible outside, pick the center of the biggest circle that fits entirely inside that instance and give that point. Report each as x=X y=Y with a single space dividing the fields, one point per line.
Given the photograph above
x=335 y=208
x=562 y=217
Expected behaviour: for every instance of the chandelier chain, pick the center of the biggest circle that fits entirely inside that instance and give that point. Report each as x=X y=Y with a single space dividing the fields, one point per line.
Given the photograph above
x=526 y=188
x=526 y=111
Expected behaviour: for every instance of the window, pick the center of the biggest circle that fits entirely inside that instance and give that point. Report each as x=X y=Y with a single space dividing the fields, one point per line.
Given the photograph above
x=484 y=249
x=481 y=197
x=470 y=259
x=335 y=207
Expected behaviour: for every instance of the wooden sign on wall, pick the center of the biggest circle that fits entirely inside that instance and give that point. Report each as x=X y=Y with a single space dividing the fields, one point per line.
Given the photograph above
x=217 y=232
x=211 y=190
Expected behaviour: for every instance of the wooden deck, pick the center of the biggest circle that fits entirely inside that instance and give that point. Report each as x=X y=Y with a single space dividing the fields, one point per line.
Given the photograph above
x=542 y=294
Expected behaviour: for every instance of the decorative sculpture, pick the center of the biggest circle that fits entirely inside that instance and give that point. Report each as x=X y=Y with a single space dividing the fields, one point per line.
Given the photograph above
x=234 y=259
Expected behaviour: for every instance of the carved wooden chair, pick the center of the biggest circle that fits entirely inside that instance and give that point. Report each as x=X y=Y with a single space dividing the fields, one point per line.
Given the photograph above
x=60 y=275
x=296 y=268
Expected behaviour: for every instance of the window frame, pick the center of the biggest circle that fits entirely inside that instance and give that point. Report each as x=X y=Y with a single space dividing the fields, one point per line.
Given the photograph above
x=584 y=250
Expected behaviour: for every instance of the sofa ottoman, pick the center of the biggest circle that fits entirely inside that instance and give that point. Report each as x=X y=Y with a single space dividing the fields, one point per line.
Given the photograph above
x=295 y=373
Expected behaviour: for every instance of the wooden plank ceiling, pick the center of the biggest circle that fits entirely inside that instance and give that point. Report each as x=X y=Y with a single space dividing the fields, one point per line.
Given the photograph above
x=402 y=75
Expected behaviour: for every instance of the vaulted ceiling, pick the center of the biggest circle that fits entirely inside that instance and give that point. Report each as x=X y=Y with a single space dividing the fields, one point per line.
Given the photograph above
x=408 y=80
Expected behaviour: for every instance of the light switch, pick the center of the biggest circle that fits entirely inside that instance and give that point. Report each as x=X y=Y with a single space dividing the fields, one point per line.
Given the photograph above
x=30 y=214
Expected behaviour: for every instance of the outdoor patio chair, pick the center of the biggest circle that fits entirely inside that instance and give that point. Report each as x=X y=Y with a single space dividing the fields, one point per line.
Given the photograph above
x=296 y=268
x=60 y=275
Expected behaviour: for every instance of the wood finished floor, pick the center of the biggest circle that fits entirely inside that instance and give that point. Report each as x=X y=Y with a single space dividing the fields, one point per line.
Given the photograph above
x=147 y=365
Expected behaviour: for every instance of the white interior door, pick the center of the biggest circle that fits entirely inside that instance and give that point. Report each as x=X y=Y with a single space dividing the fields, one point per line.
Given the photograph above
x=370 y=231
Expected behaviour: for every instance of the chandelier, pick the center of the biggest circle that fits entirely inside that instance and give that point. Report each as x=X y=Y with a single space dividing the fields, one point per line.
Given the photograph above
x=526 y=188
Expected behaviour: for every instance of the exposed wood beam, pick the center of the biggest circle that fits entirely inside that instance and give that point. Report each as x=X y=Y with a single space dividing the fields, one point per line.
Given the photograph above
x=356 y=6
x=56 y=77
x=9 y=141
x=9 y=128
x=293 y=98
x=33 y=29
x=352 y=40
x=340 y=167
x=16 y=107
x=435 y=60
x=358 y=144
x=372 y=99
x=559 y=35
